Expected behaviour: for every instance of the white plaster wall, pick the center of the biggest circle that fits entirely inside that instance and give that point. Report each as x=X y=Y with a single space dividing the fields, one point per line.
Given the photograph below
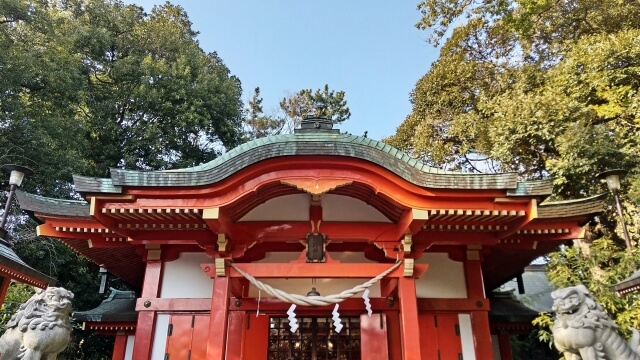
x=160 y=337
x=296 y=208
x=444 y=277
x=496 y=348
x=466 y=336
x=344 y=208
x=184 y=278
x=284 y=208
x=128 y=352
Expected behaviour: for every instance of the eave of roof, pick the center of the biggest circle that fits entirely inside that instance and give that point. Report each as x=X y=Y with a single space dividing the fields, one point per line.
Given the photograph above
x=630 y=284
x=120 y=306
x=313 y=143
x=36 y=203
x=572 y=208
x=17 y=269
x=505 y=308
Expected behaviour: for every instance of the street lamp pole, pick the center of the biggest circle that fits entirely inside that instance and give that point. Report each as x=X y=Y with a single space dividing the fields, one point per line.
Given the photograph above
x=613 y=183
x=15 y=180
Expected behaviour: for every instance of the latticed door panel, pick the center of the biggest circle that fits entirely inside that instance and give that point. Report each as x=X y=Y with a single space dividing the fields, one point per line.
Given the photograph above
x=315 y=339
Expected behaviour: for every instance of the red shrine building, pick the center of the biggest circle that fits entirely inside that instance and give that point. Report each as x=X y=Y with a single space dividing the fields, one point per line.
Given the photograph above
x=219 y=252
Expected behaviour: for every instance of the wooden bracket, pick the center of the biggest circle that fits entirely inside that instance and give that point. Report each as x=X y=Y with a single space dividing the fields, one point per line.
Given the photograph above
x=220 y=267
x=222 y=243
x=406 y=244
x=408 y=267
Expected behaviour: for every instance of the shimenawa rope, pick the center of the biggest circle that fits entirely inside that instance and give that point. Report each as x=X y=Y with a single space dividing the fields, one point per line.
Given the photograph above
x=314 y=300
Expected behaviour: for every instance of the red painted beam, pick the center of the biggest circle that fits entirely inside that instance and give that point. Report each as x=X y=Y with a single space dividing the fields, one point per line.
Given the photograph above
x=453 y=305
x=315 y=270
x=173 y=305
x=276 y=306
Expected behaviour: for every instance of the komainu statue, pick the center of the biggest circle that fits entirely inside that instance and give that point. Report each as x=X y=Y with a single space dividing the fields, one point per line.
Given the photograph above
x=40 y=329
x=582 y=330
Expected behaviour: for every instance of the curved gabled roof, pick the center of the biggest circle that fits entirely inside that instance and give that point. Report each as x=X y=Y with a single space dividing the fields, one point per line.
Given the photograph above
x=313 y=142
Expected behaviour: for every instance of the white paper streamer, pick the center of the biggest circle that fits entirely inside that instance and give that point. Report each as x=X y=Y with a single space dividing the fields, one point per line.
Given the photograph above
x=367 y=302
x=336 y=319
x=258 y=307
x=293 y=322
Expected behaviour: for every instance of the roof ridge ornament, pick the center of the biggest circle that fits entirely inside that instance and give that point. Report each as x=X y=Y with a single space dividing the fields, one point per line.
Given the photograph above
x=316 y=121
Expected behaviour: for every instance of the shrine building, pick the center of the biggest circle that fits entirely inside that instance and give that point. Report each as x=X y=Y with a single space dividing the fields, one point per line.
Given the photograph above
x=219 y=253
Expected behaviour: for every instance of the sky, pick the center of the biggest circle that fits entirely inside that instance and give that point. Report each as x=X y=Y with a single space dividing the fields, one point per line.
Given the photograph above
x=368 y=49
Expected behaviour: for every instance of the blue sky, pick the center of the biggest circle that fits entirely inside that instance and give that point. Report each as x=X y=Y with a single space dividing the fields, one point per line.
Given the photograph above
x=369 y=49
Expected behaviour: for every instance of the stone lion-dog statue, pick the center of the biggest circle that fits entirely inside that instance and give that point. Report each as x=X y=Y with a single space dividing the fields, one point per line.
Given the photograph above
x=582 y=330
x=40 y=329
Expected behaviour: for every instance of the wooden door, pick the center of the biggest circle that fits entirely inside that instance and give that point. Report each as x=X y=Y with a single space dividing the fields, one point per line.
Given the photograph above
x=440 y=336
x=187 y=337
x=373 y=333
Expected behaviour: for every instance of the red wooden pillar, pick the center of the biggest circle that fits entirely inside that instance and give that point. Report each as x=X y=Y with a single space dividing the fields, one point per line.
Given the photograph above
x=505 y=345
x=234 y=335
x=409 y=325
x=147 y=319
x=479 y=319
x=6 y=281
x=218 y=321
x=120 y=346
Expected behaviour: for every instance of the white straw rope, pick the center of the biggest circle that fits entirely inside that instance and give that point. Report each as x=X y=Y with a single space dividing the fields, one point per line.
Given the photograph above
x=314 y=300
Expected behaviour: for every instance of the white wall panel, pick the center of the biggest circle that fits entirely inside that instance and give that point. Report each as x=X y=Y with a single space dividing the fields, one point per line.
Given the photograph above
x=160 y=337
x=444 y=277
x=184 y=278
x=466 y=336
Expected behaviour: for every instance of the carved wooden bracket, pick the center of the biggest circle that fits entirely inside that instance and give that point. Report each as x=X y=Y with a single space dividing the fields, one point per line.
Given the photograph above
x=220 y=267
x=223 y=243
x=408 y=267
x=406 y=244
x=315 y=186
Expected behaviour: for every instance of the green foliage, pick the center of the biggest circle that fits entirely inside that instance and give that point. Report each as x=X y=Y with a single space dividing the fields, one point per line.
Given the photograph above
x=541 y=88
x=101 y=84
x=545 y=89
x=87 y=85
x=257 y=123
x=322 y=102
x=16 y=295
x=598 y=266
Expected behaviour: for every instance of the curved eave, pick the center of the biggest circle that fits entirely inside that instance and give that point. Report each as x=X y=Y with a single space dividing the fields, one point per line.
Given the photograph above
x=310 y=144
x=12 y=266
x=628 y=285
x=572 y=208
x=57 y=207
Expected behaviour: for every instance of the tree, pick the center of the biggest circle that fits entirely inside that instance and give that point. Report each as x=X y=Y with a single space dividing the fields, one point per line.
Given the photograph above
x=257 y=124
x=546 y=89
x=293 y=108
x=104 y=84
x=529 y=85
x=322 y=102
x=86 y=85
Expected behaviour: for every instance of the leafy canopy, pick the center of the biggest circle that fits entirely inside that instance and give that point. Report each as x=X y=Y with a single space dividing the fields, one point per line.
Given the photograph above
x=546 y=89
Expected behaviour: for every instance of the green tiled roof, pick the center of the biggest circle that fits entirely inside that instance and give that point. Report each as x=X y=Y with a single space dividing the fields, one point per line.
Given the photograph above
x=98 y=185
x=312 y=143
x=570 y=208
x=9 y=259
x=36 y=203
x=120 y=306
